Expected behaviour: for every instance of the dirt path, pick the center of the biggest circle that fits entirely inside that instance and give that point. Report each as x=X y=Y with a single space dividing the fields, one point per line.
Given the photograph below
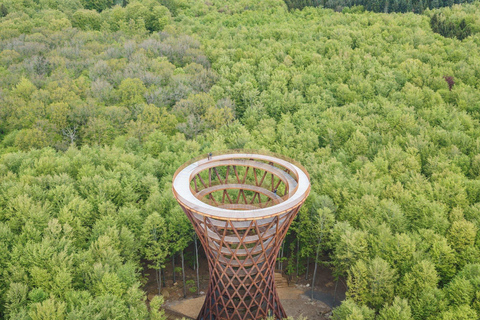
x=293 y=299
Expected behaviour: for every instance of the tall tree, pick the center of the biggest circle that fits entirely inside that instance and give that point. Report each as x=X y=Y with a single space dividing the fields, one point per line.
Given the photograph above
x=155 y=244
x=3 y=10
x=323 y=223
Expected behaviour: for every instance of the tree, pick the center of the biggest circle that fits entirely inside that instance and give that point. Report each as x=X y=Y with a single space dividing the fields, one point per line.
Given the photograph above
x=58 y=115
x=445 y=259
x=154 y=242
x=323 y=222
x=157 y=18
x=48 y=310
x=201 y=112
x=462 y=234
x=460 y=292
x=70 y=134
x=156 y=311
x=463 y=312
x=31 y=138
x=358 y=282
x=25 y=88
x=450 y=81
x=372 y=282
x=16 y=297
x=428 y=304
x=98 y=131
x=219 y=115
x=98 y=5
x=87 y=20
x=160 y=117
x=422 y=278
x=350 y=310
x=197 y=266
x=131 y=92
x=464 y=30
x=446 y=28
x=180 y=234
x=3 y=10
x=103 y=307
x=398 y=310
x=402 y=254
x=351 y=247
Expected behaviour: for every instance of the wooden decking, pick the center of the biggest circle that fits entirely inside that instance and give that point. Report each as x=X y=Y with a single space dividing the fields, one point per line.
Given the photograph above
x=295 y=179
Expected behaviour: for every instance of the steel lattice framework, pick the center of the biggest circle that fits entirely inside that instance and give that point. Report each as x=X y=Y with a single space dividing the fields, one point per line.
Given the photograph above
x=241 y=206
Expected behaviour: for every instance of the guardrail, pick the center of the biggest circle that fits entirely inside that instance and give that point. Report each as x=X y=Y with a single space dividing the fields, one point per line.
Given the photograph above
x=239 y=151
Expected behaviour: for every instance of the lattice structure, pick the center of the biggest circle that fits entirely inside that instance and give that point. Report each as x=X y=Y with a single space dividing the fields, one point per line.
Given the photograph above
x=241 y=206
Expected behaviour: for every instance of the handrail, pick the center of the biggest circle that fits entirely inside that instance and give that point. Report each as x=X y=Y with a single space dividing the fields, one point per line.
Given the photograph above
x=184 y=194
x=235 y=151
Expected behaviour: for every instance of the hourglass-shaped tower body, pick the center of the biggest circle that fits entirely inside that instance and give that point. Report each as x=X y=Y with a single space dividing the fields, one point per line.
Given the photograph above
x=241 y=206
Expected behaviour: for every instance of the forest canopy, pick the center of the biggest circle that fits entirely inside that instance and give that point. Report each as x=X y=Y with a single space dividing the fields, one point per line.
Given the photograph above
x=101 y=101
x=386 y=6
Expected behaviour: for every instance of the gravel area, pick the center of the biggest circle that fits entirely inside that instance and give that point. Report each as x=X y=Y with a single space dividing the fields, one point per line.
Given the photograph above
x=293 y=299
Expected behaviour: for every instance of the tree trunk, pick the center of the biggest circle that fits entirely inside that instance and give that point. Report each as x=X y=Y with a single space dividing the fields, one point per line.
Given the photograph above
x=197 y=265
x=164 y=279
x=335 y=293
x=281 y=257
x=173 y=267
x=298 y=252
x=316 y=264
x=278 y=260
x=159 y=277
x=308 y=267
x=183 y=275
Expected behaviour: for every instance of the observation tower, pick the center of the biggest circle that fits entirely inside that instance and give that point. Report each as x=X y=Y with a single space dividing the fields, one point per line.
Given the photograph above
x=241 y=206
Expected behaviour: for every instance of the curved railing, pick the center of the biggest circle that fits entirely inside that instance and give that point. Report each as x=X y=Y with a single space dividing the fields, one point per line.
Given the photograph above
x=237 y=151
x=184 y=193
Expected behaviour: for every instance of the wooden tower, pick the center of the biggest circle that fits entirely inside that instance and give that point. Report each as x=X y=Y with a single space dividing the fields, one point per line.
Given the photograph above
x=241 y=206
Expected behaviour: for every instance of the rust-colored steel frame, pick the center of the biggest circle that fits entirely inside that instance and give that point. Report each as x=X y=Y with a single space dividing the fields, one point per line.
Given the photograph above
x=241 y=236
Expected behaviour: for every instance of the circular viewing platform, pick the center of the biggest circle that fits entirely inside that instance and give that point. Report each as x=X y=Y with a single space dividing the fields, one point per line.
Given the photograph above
x=241 y=186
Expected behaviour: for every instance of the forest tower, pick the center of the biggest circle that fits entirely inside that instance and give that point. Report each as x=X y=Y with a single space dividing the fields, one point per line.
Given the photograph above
x=241 y=206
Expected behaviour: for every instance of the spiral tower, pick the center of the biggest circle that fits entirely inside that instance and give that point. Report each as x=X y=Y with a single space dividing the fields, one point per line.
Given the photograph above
x=241 y=206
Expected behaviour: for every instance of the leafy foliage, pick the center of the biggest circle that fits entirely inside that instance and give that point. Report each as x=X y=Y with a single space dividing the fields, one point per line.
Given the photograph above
x=385 y=6
x=75 y=249
x=449 y=29
x=99 y=108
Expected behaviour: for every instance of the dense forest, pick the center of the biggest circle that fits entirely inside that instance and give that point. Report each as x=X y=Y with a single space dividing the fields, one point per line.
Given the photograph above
x=101 y=101
x=385 y=6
